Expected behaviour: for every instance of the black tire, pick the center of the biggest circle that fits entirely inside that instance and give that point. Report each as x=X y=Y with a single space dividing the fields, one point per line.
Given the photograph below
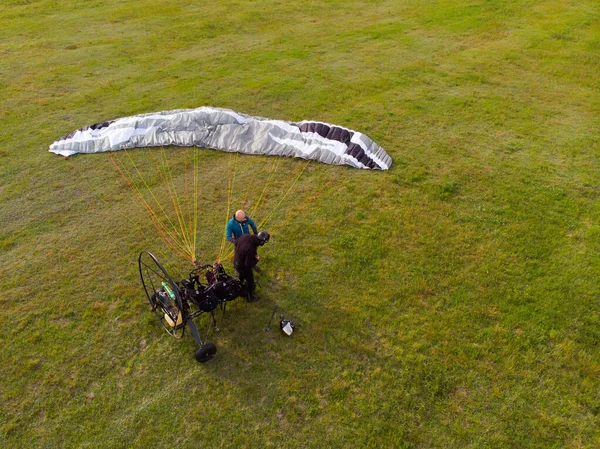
x=205 y=352
x=154 y=277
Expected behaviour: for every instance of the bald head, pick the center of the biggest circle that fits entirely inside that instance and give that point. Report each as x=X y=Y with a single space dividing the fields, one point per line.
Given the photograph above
x=240 y=215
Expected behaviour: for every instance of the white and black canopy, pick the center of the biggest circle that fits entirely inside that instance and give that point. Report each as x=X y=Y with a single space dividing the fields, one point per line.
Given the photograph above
x=223 y=129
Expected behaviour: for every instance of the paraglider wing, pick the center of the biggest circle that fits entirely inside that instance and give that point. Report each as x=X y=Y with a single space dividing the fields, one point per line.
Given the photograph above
x=227 y=130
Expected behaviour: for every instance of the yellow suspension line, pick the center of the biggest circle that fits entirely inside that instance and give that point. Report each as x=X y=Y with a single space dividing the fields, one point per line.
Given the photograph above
x=173 y=239
x=273 y=170
x=284 y=196
x=172 y=193
x=167 y=237
x=188 y=200
x=230 y=253
x=176 y=203
x=143 y=232
x=158 y=203
x=232 y=170
x=195 y=211
x=181 y=235
x=187 y=220
x=246 y=195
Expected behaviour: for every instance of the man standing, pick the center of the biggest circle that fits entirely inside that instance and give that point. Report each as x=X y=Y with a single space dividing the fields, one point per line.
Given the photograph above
x=238 y=226
x=246 y=258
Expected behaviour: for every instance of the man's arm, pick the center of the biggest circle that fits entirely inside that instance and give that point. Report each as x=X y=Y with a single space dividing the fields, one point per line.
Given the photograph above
x=252 y=225
x=229 y=233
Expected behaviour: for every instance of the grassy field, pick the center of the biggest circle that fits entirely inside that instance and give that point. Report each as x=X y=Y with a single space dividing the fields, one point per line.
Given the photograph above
x=450 y=302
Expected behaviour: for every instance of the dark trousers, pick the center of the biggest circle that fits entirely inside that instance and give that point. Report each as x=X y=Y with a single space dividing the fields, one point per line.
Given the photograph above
x=247 y=275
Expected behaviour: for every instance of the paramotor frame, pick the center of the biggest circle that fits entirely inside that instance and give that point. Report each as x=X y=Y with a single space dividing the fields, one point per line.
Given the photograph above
x=178 y=303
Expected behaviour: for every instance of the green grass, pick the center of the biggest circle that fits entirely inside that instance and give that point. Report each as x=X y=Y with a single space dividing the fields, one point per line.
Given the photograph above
x=450 y=302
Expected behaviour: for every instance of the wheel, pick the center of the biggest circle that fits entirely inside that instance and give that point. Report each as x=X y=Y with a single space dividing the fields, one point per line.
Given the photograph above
x=205 y=352
x=163 y=294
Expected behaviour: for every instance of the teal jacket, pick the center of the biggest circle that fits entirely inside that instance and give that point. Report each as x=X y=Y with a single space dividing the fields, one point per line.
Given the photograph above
x=235 y=228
